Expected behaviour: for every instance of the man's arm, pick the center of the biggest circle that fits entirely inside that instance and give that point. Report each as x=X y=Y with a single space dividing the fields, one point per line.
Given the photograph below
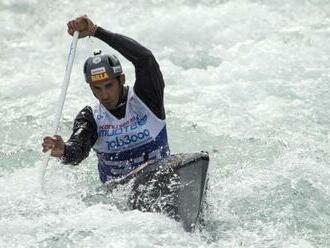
x=82 y=139
x=149 y=85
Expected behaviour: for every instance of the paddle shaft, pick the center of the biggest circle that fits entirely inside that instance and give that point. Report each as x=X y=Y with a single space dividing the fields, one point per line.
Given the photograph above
x=61 y=99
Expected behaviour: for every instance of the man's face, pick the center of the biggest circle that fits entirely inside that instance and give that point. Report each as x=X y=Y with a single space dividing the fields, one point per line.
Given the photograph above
x=108 y=92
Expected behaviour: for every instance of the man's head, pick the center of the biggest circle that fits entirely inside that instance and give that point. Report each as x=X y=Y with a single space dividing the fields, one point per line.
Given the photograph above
x=105 y=77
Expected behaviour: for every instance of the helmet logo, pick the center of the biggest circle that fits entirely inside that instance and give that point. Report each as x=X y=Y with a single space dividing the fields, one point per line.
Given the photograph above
x=96 y=60
x=99 y=74
x=97 y=70
x=116 y=69
x=99 y=77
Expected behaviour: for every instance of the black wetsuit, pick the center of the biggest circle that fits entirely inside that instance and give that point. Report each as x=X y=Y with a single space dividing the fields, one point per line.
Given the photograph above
x=149 y=87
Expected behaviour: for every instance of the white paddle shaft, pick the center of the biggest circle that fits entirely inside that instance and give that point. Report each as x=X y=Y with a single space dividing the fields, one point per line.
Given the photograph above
x=61 y=99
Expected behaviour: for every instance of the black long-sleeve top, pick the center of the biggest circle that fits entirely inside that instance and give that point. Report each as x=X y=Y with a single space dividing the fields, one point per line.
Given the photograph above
x=149 y=87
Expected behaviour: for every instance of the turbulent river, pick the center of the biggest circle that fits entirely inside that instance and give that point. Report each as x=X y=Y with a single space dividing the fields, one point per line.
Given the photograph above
x=246 y=80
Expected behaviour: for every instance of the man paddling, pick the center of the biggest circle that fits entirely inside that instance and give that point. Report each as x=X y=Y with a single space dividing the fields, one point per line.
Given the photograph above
x=127 y=126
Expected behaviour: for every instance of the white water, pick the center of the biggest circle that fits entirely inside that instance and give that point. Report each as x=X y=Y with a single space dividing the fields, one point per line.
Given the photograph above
x=246 y=80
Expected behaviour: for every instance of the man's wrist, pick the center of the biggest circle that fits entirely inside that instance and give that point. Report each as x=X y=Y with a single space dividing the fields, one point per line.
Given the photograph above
x=63 y=157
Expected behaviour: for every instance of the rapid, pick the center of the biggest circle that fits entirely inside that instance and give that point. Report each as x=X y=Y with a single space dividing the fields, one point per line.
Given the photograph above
x=246 y=80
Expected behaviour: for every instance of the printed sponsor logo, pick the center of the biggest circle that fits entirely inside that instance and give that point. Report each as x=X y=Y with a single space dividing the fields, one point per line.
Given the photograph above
x=99 y=77
x=116 y=69
x=138 y=121
x=110 y=126
x=97 y=70
x=128 y=139
x=96 y=60
x=141 y=120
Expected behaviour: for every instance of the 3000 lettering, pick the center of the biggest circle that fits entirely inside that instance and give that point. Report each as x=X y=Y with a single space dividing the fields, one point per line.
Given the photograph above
x=127 y=139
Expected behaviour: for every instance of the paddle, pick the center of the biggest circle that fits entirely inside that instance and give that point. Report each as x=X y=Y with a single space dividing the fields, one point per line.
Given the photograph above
x=60 y=102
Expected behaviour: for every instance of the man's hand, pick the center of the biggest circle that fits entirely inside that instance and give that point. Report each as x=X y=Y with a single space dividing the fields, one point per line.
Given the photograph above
x=55 y=144
x=82 y=24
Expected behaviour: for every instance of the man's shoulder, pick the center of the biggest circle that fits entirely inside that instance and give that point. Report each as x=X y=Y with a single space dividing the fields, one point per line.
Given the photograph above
x=85 y=118
x=86 y=113
x=86 y=110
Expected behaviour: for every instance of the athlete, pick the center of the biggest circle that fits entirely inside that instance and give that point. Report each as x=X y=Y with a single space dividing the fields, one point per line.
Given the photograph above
x=126 y=127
